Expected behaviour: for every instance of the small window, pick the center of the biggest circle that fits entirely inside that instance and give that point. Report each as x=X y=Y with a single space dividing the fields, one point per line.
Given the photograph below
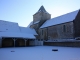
x=64 y=28
x=42 y=32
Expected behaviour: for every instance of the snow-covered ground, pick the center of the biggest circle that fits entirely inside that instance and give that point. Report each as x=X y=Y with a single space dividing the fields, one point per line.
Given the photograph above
x=40 y=53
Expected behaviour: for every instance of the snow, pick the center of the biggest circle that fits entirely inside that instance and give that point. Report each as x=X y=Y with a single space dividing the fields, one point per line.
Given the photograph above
x=40 y=53
x=28 y=30
x=6 y=26
x=16 y=35
x=37 y=22
x=61 y=19
x=11 y=29
x=30 y=24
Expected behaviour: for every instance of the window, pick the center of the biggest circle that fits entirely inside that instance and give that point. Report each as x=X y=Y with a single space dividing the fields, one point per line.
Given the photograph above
x=64 y=28
x=42 y=32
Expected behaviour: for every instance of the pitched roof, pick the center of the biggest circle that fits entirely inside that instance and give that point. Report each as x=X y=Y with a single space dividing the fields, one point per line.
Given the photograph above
x=17 y=35
x=27 y=30
x=6 y=26
x=42 y=9
x=31 y=23
x=36 y=22
x=11 y=29
x=61 y=19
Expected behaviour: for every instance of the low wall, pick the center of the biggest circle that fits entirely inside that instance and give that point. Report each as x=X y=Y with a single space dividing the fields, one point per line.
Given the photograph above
x=38 y=43
x=68 y=44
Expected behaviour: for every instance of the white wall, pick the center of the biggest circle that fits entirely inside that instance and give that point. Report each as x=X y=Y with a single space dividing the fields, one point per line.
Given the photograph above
x=38 y=42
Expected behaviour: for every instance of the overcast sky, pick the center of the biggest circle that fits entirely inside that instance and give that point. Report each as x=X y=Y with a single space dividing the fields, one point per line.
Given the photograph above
x=21 y=11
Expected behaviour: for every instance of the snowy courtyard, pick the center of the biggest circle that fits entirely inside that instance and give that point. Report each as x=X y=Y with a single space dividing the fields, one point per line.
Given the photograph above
x=40 y=53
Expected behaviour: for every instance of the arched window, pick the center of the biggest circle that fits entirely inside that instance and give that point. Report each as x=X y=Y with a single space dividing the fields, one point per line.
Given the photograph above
x=42 y=32
x=64 y=28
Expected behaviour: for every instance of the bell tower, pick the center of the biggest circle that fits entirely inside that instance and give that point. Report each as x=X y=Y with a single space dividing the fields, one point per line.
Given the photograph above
x=41 y=14
x=39 y=18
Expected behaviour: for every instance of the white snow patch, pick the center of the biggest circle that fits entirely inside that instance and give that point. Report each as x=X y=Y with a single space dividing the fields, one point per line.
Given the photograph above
x=28 y=30
x=40 y=53
x=6 y=26
x=11 y=29
x=37 y=22
x=30 y=24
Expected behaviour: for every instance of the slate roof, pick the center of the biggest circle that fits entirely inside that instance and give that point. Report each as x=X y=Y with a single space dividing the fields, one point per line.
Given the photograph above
x=42 y=9
x=61 y=19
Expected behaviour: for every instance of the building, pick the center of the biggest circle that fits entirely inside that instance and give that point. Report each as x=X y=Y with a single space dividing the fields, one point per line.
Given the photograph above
x=43 y=28
x=64 y=27
x=12 y=35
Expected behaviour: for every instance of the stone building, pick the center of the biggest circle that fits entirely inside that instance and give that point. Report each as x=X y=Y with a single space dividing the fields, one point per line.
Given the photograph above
x=63 y=27
x=43 y=28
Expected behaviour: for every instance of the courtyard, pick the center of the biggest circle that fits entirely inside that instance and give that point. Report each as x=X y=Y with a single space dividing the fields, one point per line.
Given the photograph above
x=40 y=53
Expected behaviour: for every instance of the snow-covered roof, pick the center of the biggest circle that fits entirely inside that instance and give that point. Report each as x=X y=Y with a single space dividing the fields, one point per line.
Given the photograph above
x=11 y=29
x=16 y=35
x=6 y=26
x=61 y=19
x=37 y=22
x=28 y=30
x=30 y=24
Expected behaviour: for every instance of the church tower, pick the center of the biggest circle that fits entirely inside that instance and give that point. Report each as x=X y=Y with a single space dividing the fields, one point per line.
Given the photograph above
x=41 y=14
x=40 y=17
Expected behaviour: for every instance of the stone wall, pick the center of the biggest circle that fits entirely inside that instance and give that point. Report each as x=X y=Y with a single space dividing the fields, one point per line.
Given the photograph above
x=77 y=25
x=67 y=44
x=37 y=17
x=43 y=34
x=41 y=16
x=57 y=31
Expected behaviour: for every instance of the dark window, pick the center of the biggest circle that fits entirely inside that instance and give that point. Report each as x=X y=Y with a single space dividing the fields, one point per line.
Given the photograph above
x=64 y=28
x=42 y=32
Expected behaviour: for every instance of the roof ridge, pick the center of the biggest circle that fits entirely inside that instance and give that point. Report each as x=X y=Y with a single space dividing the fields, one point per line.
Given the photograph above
x=66 y=13
x=61 y=19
